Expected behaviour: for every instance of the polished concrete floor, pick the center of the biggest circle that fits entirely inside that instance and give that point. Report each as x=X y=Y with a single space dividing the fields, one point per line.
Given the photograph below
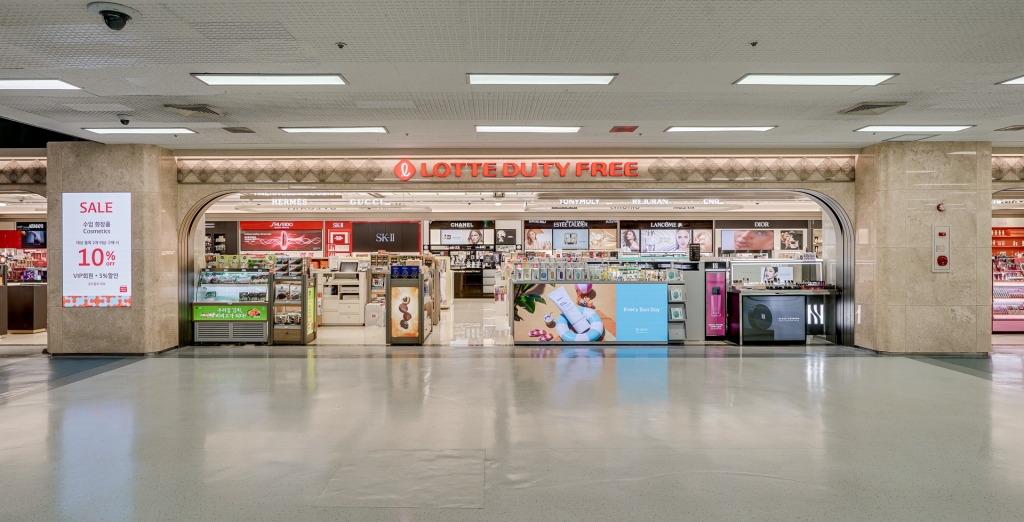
x=451 y=433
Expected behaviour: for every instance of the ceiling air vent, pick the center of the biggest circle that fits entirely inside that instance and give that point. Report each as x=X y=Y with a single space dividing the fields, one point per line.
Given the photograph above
x=239 y=130
x=872 y=108
x=189 y=110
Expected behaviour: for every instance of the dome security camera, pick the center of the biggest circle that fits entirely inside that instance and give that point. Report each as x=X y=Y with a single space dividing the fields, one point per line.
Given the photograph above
x=123 y=118
x=115 y=16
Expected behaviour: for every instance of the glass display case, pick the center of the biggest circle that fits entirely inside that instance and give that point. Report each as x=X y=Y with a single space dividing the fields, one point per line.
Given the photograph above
x=294 y=302
x=231 y=306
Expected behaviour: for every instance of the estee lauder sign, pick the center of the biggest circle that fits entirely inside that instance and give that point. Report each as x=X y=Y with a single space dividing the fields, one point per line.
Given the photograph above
x=407 y=170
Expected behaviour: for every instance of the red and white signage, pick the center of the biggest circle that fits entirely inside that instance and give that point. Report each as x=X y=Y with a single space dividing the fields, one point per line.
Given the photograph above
x=406 y=170
x=339 y=237
x=97 y=256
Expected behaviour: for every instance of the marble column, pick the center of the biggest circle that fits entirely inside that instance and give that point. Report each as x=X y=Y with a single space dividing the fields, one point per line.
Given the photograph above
x=901 y=305
x=148 y=172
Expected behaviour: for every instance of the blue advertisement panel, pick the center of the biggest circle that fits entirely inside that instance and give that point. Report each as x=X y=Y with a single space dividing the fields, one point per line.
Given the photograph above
x=590 y=313
x=642 y=313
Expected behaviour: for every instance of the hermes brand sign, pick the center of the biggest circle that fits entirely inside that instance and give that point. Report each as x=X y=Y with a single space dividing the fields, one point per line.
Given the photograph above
x=406 y=170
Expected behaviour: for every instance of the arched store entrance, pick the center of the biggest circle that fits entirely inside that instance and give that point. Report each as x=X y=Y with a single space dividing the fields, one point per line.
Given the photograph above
x=837 y=266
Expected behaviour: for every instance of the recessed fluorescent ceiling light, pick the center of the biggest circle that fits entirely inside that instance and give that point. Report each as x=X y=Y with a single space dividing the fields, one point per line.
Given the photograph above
x=1015 y=81
x=378 y=130
x=540 y=79
x=814 y=79
x=719 y=129
x=524 y=128
x=141 y=130
x=270 y=79
x=29 y=85
x=913 y=128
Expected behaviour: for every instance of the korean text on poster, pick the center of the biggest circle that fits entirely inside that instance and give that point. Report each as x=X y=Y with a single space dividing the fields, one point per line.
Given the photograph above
x=97 y=256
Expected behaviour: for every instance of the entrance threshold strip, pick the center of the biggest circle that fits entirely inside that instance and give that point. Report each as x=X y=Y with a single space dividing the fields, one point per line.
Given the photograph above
x=710 y=350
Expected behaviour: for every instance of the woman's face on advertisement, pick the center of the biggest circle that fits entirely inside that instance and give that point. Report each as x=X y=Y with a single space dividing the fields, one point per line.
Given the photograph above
x=531 y=236
x=474 y=236
x=753 y=240
x=682 y=237
x=630 y=235
x=769 y=272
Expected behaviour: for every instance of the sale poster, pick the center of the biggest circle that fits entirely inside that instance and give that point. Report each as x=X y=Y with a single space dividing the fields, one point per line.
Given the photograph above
x=97 y=256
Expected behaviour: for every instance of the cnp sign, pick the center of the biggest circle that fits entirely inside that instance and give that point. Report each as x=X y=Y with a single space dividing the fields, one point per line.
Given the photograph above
x=406 y=170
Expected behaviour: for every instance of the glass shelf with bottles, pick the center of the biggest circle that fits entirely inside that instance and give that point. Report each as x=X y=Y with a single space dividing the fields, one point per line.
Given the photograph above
x=232 y=286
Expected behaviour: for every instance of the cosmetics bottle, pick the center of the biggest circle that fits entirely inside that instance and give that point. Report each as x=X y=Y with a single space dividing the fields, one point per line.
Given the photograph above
x=568 y=307
x=716 y=301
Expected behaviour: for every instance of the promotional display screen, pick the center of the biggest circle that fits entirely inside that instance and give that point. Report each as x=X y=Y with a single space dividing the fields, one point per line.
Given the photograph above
x=537 y=239
x=748 y=240
x=505 y=236
x=773 y=318
x=97 y=242
x=570 y=239
x=392 y=237
x=791 y=240
x=473 y=236
x=33 y=235
x=602 y=239
x=776 y=274
x=595 y=313
x=665 y=240
x=339 y=237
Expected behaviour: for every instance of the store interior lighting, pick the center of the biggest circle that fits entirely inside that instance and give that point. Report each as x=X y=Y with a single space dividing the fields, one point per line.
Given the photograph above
x=540 y=79
x=814 y=79
x=526 y=128
x=721 y=129
x=337 y=130
x=36 y=84
x=914 y=128
x=140 y=130
x=270 y=79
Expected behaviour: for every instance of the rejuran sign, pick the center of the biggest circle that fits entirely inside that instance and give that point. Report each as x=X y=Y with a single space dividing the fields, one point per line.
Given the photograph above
x=406 y=170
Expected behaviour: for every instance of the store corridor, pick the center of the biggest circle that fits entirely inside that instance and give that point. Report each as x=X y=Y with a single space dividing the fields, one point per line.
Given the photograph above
x=503 y=433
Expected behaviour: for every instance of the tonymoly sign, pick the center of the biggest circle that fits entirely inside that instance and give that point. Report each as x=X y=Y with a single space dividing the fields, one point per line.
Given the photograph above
x=406 y=170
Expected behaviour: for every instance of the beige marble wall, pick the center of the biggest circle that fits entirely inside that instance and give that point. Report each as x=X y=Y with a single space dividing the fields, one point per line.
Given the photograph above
x=901 y=305
x=149 y=173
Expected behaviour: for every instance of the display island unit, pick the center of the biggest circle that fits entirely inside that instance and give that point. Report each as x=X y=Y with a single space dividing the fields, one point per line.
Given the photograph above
x=231 y=306
x=781 y=315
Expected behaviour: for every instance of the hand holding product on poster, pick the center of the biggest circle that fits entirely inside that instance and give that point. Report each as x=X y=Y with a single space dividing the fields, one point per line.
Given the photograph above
x=590 y=313
x=97 y=242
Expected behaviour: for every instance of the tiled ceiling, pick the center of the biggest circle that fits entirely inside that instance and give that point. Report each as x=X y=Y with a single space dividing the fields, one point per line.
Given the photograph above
x=406 y=61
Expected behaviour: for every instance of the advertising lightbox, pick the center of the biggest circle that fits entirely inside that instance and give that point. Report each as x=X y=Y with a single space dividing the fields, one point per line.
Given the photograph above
x=97 y=256
x=591 y=313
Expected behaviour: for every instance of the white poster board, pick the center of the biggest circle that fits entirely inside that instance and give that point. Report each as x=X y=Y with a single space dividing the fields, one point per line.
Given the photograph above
x=97 y=256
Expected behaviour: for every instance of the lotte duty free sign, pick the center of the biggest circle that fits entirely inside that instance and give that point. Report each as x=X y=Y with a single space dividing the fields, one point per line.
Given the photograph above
x=97 y=257
x=406 y=170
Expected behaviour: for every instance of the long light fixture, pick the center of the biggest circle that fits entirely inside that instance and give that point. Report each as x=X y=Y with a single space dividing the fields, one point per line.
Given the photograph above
x=913 y=128
x=269 y=79
x=721 y=129
x=525 y=128
x=36 y=84
x=1013 y=81
x=140 y=130
x=814 y=79
x=336 y=130
x=540 y=79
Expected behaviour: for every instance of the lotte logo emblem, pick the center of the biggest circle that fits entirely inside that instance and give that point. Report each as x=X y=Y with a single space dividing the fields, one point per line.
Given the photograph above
x=405 y=170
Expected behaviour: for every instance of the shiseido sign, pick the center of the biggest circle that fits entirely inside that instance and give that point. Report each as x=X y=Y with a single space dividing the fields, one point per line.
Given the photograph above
x=406 y=170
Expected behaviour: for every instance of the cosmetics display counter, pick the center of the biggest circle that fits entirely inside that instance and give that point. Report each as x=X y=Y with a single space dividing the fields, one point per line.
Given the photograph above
x=781 y=315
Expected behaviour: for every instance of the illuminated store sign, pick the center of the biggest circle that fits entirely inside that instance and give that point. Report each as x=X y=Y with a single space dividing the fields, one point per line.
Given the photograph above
x=406 y=170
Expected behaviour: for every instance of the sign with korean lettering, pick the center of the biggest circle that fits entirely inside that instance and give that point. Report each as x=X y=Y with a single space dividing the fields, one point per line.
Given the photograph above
x=97 y=256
